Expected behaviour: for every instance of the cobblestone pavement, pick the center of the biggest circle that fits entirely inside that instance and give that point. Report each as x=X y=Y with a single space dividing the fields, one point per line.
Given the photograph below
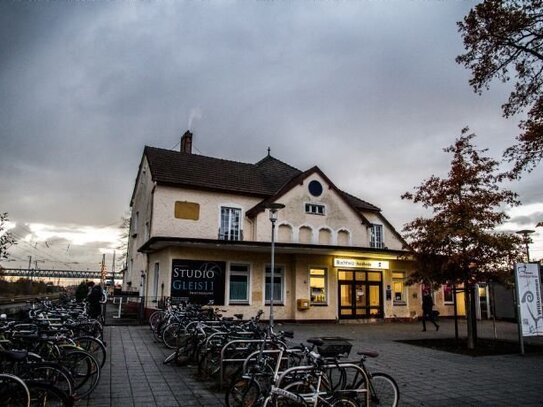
x=135 y=376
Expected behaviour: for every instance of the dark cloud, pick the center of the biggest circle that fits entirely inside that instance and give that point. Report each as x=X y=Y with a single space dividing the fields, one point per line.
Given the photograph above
x=529 y=221
x=368 y=91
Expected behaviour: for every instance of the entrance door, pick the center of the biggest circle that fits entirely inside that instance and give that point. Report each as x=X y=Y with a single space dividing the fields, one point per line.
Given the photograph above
x=360 y=294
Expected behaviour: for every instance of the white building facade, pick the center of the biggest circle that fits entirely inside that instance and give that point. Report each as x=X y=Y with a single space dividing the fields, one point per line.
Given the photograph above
x=200 y=232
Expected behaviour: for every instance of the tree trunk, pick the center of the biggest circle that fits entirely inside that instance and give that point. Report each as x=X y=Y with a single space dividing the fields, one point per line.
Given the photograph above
x=469 y=314
x=474 y=297
x=455 y=293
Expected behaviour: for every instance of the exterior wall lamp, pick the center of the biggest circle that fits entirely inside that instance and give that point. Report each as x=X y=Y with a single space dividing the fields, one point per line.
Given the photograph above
x=273 y=209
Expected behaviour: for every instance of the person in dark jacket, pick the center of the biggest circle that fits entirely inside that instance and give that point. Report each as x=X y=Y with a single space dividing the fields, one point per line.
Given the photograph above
x=427 y=312
x=94 y=297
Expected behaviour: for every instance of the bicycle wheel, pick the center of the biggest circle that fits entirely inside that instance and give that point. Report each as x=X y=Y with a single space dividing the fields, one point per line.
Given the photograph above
x=46 y=350
x=383 y=390
x=50 y=373
x=344 y=402
x=301 y=389
x=90 y=328
x=244 y=392
x=157 y=332
x=45 y=395
x=84 y=369
x=170 y=334
x=233 y=370
x=184 y=354
x=210 y=363
x=94 y=346
x=13 y=391
x=154 y=318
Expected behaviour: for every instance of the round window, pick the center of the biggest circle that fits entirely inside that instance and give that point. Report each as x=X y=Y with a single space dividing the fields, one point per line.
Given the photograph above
x=315 y=188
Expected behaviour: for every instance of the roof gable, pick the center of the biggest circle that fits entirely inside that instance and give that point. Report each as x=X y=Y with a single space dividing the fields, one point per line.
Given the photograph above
x=355 y=203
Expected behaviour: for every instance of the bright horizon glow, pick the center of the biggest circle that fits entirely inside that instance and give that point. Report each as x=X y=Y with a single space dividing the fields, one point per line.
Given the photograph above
x=75 y=235
x=7 y=226
x=525 y=210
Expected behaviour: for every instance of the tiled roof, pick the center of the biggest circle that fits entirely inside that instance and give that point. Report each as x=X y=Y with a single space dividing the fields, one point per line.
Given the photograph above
x=359 y=203
x=177 y=168
x=265 y=178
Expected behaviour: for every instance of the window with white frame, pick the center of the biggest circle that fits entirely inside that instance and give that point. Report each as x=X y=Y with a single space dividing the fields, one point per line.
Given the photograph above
x=317 y=286
x=230 y=227
x=278 y=284
x=314 y=209
x=376 y=236
x=239 y=283
x=398 y=288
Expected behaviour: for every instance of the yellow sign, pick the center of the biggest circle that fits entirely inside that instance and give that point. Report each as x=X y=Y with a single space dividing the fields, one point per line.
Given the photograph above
x=362 y=264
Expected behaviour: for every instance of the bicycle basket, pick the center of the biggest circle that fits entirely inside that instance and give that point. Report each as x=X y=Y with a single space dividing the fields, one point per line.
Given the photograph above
x=334 y=347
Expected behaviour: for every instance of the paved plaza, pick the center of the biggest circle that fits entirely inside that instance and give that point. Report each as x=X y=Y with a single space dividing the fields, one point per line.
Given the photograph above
x=135 y=376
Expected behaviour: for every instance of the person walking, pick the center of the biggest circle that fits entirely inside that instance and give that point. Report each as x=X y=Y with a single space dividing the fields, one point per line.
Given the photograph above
x=94 y=297
x=427 y=310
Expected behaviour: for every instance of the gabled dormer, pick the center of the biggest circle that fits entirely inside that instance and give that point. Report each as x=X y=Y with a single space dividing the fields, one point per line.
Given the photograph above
x=317 y=212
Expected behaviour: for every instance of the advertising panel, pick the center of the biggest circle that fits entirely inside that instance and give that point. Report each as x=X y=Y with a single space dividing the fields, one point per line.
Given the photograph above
x=529 y=296
x=198 y=281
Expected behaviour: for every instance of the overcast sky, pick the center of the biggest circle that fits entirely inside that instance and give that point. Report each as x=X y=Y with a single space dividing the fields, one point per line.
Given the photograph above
x=367 y=90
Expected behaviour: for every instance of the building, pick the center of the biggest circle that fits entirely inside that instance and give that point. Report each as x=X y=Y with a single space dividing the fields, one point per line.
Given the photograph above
x=200 y=231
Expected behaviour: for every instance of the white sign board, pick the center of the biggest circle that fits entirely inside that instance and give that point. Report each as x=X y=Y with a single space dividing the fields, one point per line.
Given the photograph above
x=357 y=263
x=529 y=297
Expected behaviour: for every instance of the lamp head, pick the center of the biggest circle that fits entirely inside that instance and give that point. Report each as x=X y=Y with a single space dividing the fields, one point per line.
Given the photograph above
x=273 y=209
x=524 y=233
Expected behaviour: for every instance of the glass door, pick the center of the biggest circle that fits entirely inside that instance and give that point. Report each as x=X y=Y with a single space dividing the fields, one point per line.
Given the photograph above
x=346 y=300
x=360 y=294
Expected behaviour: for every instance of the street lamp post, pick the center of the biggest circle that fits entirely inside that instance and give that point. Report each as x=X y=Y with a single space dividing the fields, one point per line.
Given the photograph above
x=526 y=240
x=273 y=209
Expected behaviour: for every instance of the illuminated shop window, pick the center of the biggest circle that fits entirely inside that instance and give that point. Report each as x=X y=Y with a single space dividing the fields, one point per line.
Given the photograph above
x=398 y=288
x=317 y=286
x=239 y=283
x=278 y=284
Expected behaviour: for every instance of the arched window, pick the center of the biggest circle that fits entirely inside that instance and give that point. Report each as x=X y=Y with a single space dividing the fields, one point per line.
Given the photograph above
x=306 y=234
x=325 y=236
x=284 y=233
x=343 y=238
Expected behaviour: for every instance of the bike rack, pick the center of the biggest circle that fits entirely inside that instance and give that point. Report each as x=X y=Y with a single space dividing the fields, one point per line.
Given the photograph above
x=345 y=365
x=120 y=306
x=239 y=360
x=195 y=322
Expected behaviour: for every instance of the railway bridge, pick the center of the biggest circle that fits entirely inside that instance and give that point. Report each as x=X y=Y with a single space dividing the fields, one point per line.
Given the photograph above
x=39 y=273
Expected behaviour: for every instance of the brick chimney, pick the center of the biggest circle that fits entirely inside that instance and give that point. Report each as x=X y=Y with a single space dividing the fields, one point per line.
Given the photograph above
x=186 y=142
